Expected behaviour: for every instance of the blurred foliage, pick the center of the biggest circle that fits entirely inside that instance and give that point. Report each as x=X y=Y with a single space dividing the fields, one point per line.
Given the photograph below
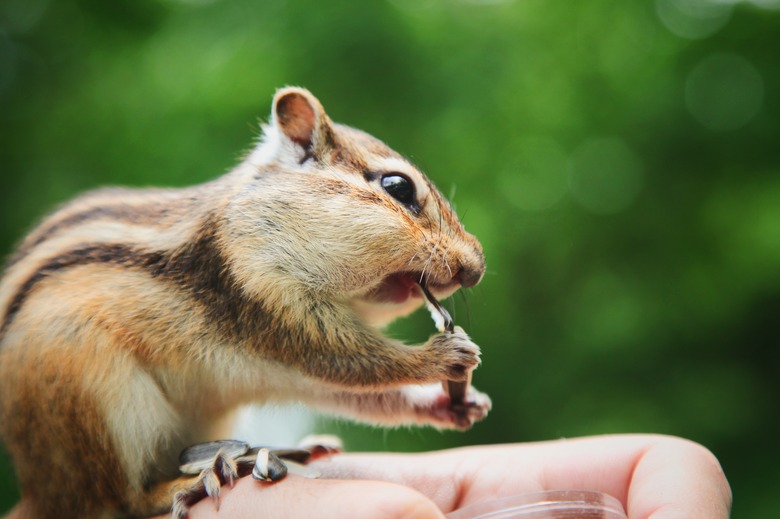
x=617 y=159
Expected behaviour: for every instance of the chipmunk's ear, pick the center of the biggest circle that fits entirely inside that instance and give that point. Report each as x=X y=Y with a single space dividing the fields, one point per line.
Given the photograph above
x=301 y=118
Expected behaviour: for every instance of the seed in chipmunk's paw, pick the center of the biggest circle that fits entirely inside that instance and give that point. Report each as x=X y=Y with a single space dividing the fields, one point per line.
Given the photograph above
x=268 y=467
x=457 y=390
x=441 y=317
x=201 y=456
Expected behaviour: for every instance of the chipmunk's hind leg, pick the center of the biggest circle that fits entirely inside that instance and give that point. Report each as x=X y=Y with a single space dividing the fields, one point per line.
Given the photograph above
x=207 y=466
x=55 y=432
x=179 y=495
x=207 y=483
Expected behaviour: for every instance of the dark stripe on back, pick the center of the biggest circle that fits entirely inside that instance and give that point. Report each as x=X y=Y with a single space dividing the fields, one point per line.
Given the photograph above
x=123 y=213
x=198 y=267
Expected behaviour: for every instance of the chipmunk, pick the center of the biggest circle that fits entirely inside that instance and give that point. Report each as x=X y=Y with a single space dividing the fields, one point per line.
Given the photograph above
x=133 y=321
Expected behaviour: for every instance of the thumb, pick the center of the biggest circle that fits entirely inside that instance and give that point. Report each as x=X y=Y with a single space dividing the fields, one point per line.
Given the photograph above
x=296 y=497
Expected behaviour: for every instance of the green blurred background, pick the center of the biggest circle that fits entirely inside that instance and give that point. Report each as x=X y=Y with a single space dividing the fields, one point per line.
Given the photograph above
x=619 y=161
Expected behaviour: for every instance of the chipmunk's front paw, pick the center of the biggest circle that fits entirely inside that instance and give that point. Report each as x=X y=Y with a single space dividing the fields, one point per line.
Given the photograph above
x=472 y=409
x=456 y=354
x=434 y=407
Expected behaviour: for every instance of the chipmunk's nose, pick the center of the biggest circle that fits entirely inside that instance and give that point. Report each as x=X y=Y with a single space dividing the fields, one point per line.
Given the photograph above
x=471 y=271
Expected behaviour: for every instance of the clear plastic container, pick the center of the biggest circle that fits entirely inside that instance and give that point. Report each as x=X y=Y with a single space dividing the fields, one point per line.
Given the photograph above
x=557 y=504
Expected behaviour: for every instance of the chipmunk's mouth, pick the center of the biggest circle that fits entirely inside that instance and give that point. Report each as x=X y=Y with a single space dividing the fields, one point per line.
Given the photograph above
x=399 y=287
x=399 y=294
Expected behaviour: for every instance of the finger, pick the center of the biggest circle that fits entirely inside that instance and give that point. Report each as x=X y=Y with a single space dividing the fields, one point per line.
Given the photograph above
x=655 y=476
x=297 y=497
x=696 y=488
x=434 y=474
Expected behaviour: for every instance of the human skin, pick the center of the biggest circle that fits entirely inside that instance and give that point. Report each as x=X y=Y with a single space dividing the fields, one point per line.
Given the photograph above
x=655 y=477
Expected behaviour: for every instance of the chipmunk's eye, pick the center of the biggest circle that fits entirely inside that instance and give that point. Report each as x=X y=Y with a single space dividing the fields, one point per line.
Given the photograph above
x=400 y=188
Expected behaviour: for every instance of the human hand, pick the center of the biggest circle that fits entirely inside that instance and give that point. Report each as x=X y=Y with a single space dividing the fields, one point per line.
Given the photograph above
x=655 y=477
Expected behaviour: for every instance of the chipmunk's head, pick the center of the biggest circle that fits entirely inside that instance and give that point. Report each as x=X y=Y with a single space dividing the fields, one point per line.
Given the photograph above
x=352 y=218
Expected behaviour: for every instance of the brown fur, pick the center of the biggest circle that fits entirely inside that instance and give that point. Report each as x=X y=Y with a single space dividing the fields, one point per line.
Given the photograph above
x=133 y=321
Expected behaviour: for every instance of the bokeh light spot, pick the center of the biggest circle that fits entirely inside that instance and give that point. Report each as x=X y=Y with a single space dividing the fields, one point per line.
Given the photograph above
x=724 y=92
x=693 y=19
x=413 y=5
x=615 y=312
x=536 y=178
x=767 y=4
x=605 y=176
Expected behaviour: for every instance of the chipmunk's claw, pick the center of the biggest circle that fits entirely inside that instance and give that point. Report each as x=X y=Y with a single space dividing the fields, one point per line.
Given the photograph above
x=226 y=468
x=222 y=462
x=211 y=485
x=222 y=470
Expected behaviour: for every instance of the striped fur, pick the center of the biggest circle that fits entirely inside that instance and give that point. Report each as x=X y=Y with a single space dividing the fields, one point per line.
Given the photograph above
x=133 y=321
